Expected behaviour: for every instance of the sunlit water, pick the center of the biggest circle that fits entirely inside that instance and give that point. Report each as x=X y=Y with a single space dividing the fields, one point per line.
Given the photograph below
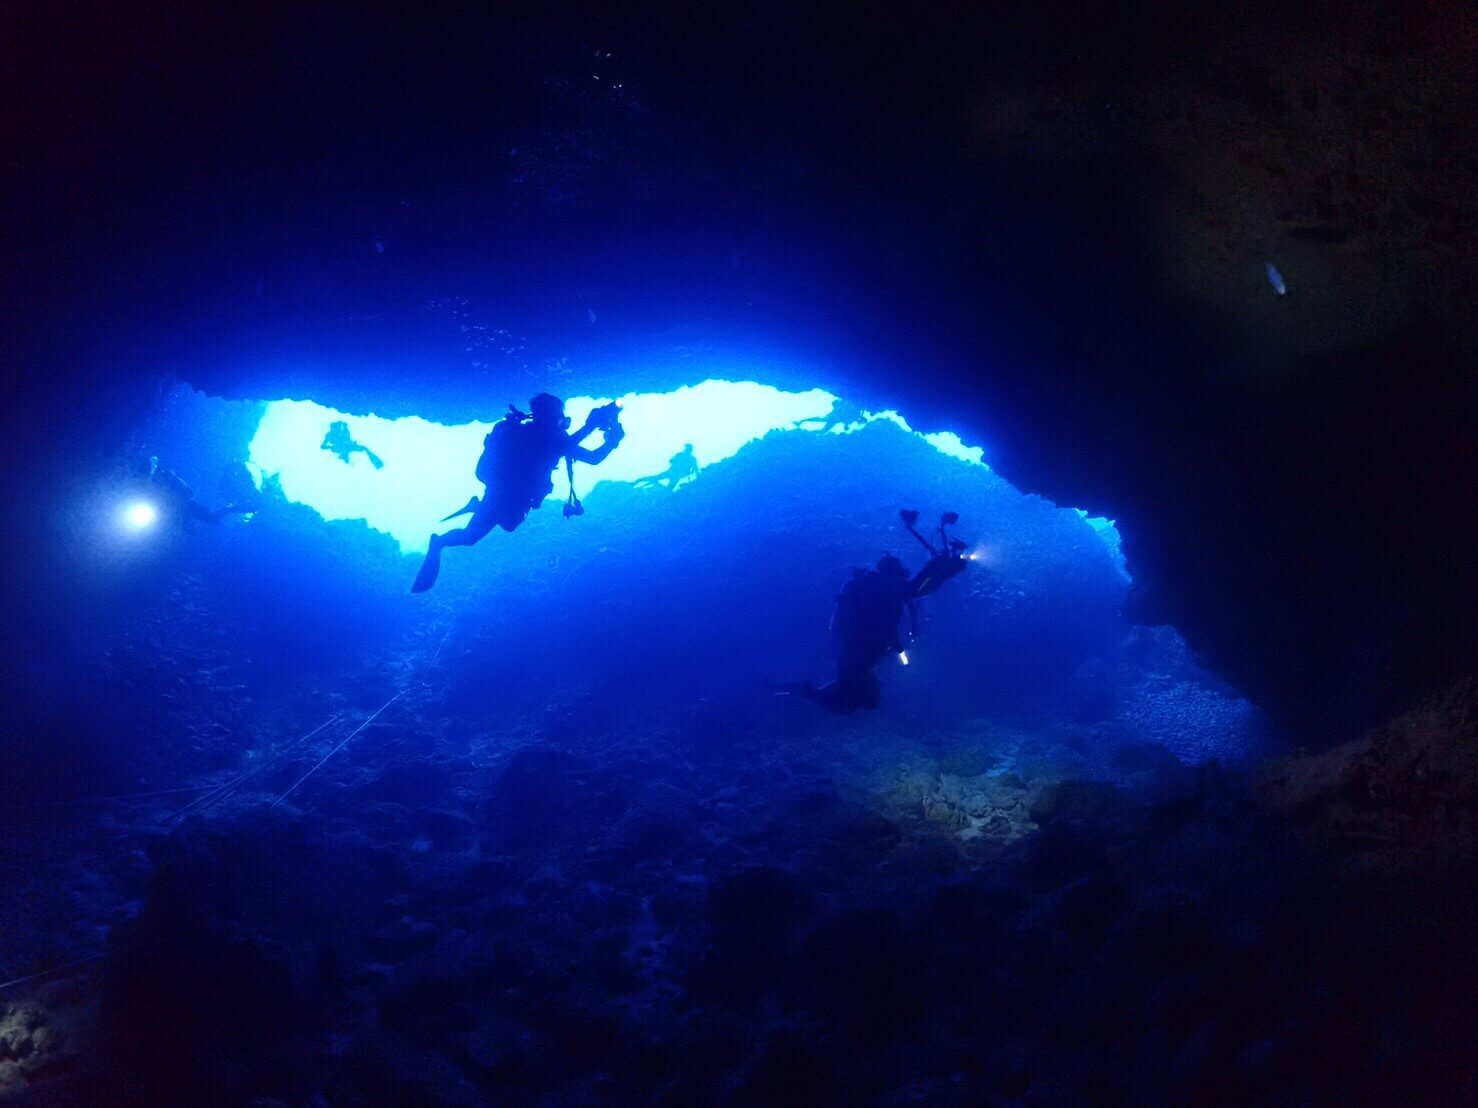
x=427 y=468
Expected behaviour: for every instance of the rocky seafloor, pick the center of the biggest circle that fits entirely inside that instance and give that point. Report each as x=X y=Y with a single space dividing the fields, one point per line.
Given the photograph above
x=681 y=912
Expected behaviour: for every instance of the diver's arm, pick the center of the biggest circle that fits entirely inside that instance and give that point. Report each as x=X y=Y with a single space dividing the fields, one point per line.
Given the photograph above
x=937 y=570
x=578 y=453
x=606 y=417
x=586 y=430
x=927 y=580
x=172 y=485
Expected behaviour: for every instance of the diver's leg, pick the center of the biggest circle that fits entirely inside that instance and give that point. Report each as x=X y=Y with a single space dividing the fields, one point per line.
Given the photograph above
x=477 y=528
x=430 y=566
x=807 y=691
x=830 y=696
x=855 y=687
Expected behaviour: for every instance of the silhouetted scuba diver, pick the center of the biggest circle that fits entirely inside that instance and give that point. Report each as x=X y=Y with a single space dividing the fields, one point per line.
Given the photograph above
x=518 y=460
x=339 y=441
x=682 y=467
x=843 y=414
x=177 y=499
x=868 y=611
x=236 y=487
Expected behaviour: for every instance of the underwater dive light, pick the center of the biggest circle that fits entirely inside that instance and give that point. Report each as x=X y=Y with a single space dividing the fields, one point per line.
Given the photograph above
x=986 y=554
x=903 y=656
x=140 y=515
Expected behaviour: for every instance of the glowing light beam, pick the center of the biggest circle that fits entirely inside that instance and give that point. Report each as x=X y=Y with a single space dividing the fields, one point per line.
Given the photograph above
x=427 y=468
x=140 y=515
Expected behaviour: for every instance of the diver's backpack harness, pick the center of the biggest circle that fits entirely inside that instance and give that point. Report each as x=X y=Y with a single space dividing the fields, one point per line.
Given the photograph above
x=496 y=445
x=498 y=442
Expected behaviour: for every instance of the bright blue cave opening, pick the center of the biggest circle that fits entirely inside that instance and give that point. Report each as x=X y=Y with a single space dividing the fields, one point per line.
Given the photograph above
x=427 y=468
x=797 y=488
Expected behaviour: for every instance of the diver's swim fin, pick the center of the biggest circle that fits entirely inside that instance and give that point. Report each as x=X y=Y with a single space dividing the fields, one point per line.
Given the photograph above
x=430 y=568
x=466 y=510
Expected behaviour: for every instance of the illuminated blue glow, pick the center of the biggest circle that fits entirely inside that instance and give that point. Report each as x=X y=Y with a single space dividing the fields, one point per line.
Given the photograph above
x=951 y=445
x=140 y=515
x=428 y=467
x=1109 y=533
x=946 y=442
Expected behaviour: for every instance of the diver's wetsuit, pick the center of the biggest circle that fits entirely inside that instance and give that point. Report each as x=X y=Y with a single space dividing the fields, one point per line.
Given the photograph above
x=842 y=415
x=868 y=611
x=180 y=498
x=517 y=478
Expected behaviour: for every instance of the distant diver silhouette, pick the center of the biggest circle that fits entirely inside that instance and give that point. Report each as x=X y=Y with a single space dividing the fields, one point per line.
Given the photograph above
x=236 y=487
x=177 y=499
x=339 y=441
x=516 y=469
x=682 y=467
x=868 y=611
x=843 y=414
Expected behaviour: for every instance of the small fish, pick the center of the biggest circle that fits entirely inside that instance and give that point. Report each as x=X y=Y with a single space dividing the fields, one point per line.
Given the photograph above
x=1275 y=279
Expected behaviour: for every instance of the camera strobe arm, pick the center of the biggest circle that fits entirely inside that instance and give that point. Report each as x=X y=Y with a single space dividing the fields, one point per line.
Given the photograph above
x=911 y=517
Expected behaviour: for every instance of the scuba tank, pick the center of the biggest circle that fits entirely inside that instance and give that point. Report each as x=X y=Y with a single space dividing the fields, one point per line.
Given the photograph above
x=498 y=443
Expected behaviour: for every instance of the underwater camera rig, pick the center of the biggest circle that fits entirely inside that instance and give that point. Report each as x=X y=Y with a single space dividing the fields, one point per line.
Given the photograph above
x=947 y=543
x=605 y=417
x=945 y=560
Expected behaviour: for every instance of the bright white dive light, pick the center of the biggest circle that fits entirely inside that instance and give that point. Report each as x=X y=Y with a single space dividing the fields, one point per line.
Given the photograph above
x=140 y=515
x=903 y=656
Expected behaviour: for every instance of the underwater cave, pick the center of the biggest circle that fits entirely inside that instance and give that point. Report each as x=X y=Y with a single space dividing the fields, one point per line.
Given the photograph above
x=563 y=791
x=658 y=595
x=1139 y=766
x=583 y=693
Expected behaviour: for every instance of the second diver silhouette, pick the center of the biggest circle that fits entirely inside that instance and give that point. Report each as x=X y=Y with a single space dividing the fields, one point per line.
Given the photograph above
x=843 y=414
x=868 y=611
x=516 y=469
x=176 y=500
x=683 y=466
x=340 y=442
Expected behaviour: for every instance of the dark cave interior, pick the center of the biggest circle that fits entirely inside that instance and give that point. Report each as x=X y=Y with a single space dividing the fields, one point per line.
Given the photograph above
x=1045 y=227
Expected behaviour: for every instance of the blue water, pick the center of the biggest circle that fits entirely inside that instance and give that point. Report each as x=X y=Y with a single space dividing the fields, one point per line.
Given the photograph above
x=711 y=589
x=716 y=417
x=551 y=832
